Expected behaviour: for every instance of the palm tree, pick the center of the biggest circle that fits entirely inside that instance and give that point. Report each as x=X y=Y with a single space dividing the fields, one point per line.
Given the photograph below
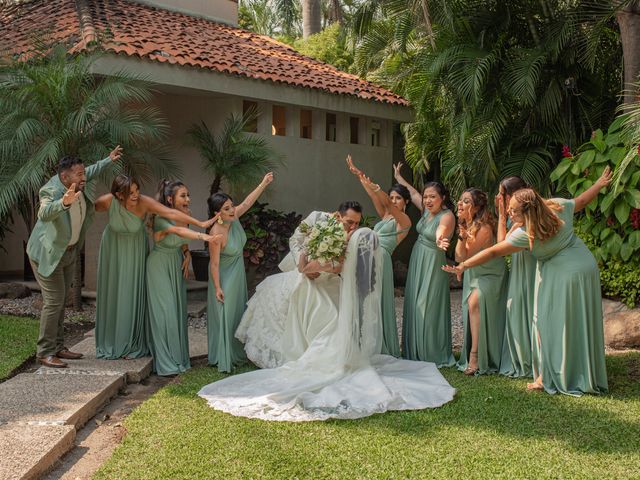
x=497 y=86
x=51 y=105
x=235 y=156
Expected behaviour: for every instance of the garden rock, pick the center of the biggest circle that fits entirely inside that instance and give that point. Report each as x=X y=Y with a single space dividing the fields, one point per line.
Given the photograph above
x=14 y=290
x=622 y=329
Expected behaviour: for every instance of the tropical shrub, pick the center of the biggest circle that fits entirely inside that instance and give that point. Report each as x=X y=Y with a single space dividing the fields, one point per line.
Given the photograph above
x=613 y=220
x=328 y=46
x=268 y=233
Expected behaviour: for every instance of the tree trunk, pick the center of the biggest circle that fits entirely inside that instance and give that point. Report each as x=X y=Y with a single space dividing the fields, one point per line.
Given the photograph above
x=336 y=12
x=311 y=17
x=629 y=22
x=427 y=23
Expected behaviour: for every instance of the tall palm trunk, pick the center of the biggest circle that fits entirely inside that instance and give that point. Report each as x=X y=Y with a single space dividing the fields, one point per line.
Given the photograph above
x=311 y=17
x=629 y=21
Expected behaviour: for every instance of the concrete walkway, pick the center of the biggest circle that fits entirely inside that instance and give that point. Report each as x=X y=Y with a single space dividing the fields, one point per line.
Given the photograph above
x=40 y=412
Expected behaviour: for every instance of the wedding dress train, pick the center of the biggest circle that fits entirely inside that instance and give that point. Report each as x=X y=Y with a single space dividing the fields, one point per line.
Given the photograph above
x=323 y=341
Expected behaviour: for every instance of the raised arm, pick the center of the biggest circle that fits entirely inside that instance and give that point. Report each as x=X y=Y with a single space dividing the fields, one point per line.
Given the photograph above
x=183 y=232
x=152 y=206
x=97 y=168
x=591 y=193
x=369 y=187
x=498 y=250
x=253 y=196
x=416 y=197
x=50 y=207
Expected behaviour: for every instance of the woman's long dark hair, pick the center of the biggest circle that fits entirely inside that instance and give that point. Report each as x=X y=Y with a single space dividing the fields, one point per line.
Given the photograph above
x=512 y=184
x=483 y=216
x=442 y=191
x=167 y=189
x=121 y=185
x=216 y=201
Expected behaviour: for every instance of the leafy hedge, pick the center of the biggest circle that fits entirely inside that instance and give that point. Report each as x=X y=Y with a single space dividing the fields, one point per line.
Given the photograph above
x=610 y=226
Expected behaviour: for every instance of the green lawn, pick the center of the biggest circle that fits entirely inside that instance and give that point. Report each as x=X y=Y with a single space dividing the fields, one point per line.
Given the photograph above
x=494 y=428
x=18 y=337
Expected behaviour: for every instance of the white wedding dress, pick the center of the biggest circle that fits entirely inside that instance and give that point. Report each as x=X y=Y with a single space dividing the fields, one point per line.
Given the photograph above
x=323 y=341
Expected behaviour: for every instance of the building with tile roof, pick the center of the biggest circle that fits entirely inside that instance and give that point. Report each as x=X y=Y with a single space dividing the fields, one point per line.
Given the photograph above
x=205 y=68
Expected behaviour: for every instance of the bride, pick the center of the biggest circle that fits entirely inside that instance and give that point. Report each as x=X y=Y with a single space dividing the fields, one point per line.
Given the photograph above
x=329 y=367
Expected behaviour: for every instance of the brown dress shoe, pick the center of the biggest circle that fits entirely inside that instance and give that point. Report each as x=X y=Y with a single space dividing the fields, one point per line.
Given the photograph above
x=69 y=355
x=52 y=361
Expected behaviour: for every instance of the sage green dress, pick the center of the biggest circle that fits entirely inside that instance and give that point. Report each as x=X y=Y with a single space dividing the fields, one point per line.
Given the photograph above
x=225 y=350
x=388 y=235
x=167 y=300
x=426 y=326
x=490 y=280
x=516 y=347
x=121 y=298
x=568 y=314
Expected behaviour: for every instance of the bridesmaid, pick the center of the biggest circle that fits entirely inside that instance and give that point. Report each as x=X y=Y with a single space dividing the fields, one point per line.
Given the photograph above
x=516 y=347
x=568 y=299
x=483 y=287
x=227 y=297
x=391 y=229
x=426 y=326
x=167 y=269
x=121 y=304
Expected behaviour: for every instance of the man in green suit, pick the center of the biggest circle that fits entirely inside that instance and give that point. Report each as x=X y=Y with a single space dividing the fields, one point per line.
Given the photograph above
x=66 y=210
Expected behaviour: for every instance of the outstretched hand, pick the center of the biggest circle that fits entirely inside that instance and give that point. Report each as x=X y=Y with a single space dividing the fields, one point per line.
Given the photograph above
x=457 y=270
x=605 y=178
x=396 y=171
x=115 y=154
x=443 y=243
x=352 y=168
x=500 y=204
x=70 y=195
x=207 y=223
x=268 y=178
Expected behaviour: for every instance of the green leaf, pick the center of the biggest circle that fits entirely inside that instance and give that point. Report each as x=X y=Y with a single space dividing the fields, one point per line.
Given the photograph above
x=634 y=239
x=575 y=184
x=633 y=197
x=605 y=233
x=615 y=154
x=560 y=170
x=614 y=244
x=626 y=251
x=585 y=159
x=622 y=210
x=598 y=142
x=612 y=139
x=607 y=202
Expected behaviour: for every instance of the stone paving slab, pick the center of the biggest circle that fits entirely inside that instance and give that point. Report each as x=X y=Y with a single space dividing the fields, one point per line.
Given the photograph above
x=62 y=399
x=198 y=343
x=135 y=370
x=30 y=450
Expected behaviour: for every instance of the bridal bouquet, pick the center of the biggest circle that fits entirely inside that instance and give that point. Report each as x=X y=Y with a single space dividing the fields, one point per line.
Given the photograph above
x=326 y=240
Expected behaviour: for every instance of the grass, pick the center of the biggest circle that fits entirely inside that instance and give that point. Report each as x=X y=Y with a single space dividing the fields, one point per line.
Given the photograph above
x=493 y=429
x=18 y=336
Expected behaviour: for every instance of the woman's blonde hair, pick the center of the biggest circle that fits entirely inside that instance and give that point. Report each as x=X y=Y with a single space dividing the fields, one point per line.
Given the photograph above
x=540 y=218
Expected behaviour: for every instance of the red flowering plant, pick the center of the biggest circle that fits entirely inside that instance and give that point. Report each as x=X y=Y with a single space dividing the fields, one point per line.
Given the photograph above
x=613 y=220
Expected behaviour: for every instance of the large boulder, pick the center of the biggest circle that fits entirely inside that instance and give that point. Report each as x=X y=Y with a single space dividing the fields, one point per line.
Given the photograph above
x=621 y=325
x=14 y=290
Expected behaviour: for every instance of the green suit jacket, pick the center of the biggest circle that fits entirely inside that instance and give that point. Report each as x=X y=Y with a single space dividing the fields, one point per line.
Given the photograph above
x=52 y=232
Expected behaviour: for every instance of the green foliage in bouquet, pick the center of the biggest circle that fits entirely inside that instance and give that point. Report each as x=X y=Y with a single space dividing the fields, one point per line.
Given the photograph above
x=613 y=220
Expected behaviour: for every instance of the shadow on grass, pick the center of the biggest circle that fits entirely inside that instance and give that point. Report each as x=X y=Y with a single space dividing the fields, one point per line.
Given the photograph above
x=608 y=423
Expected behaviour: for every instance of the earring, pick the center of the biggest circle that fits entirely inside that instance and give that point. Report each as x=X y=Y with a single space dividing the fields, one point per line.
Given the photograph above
x=220 y=221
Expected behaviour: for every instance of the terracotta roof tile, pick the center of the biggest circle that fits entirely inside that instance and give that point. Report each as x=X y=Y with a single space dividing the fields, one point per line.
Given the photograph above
x=132 y=29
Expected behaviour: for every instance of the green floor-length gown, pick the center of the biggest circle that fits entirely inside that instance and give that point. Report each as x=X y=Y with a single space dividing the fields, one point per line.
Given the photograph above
x=121 y=299
x=225 y=350
x=568 y=312
x=516 y=347
x=490 y=280
x=388 y=235
x=426 y=327
x=167 y=303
